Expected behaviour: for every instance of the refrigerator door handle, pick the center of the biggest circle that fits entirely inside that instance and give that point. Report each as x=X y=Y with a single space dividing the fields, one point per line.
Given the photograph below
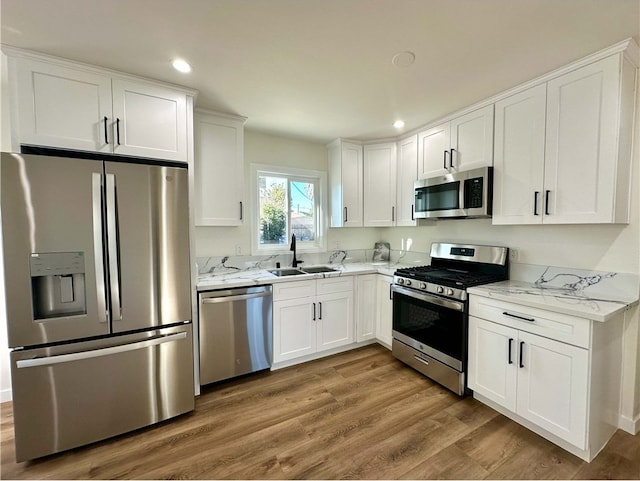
x=98 y=254
x=112 y=246
x=107 y=351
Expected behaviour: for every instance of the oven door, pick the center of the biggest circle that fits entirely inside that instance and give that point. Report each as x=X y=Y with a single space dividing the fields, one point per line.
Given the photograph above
x=431 y=324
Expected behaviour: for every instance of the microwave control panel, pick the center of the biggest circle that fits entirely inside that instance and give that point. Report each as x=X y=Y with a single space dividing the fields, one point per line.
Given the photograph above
x=473 y=192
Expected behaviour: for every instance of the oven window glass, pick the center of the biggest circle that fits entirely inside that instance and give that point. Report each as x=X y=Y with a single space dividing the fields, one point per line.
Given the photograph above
x=435 y=326
x=438 y=197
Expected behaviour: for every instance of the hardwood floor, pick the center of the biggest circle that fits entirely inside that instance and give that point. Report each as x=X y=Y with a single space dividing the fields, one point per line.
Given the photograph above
x=360 y=414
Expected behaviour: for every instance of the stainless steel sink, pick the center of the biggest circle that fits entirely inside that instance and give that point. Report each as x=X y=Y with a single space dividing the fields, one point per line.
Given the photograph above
x=287 y=272
x=317 y=269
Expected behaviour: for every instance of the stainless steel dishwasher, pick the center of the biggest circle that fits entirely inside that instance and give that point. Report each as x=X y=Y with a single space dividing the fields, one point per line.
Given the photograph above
x=236 y=332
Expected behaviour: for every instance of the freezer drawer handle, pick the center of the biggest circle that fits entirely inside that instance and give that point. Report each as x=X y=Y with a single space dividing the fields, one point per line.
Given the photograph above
x=216 y=300
x=107 y=351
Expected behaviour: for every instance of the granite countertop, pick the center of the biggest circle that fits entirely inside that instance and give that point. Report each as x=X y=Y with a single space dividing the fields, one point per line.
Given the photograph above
x=252 y=277
x=597 y=305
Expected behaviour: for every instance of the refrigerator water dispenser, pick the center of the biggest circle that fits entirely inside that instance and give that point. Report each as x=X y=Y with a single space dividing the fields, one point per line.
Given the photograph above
x=57 y=284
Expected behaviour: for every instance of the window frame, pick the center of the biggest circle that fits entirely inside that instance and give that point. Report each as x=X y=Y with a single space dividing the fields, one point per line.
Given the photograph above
x=320 y=198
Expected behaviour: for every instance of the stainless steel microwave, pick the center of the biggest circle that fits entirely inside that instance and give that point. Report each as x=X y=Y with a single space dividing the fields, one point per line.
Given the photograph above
x=456 y=195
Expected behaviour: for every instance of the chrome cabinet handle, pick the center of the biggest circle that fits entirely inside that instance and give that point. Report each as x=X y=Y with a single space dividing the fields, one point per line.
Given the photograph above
x=98 y=253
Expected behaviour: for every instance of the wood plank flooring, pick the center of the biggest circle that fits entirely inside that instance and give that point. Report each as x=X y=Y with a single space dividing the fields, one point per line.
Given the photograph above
x=356 y=415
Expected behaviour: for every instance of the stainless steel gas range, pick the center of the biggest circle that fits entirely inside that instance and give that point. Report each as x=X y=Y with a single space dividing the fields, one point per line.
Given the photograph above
x=430 y=309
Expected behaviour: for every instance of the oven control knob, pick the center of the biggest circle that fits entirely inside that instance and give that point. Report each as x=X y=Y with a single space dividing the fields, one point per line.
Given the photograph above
x=440 y=290
x=449 y=292
x=407 y=282
x=423 y=285
x=400 y=281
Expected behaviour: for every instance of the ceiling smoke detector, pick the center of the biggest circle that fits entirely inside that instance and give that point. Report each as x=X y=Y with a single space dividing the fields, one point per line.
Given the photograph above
x=403 y=59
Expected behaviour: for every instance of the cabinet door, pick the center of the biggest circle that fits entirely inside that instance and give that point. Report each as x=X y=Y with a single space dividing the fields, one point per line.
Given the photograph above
x=472 y=140
x=407 y=175
x=366 y=307
x=519 y=158
x=553 y=386
x=492 y=367
x=149 y=120
x=433 y=151
x=380 y=184
x=581 y=144
x=334 y=315
x=294 y=329
x=345 y=184
x=384 y=317
x=62 y=107
x=219 y=170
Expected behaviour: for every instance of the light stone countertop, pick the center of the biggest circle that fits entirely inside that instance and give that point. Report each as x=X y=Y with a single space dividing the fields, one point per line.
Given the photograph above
x=597 y=306
x=244 y=278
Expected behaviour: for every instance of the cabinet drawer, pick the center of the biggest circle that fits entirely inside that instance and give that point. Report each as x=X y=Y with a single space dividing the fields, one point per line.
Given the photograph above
x=334 y=284
x=292 y=290
x=561 y=327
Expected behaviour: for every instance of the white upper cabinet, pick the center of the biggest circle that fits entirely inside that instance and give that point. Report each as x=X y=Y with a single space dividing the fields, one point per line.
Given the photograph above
x=563 y=148
x=407 y=175
x=519 y=157
x=380 y=184
x=218 y=169
x=345 y=183
x=56 y=103
x=463 y=143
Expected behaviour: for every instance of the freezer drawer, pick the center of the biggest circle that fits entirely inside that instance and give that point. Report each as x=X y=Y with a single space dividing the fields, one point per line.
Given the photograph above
x=70 y=395
x=235 y=332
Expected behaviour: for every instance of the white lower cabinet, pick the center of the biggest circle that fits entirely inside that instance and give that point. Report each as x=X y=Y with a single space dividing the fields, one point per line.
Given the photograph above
x=384 y=308
x=366 y=311
x=556 y=374
x=311 y=316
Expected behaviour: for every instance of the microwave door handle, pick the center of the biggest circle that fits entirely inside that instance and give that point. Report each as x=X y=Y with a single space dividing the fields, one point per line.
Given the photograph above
x=112 y=246
x=98 y=253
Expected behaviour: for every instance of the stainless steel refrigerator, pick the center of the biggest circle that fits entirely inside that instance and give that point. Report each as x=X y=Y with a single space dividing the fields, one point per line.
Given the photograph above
x=97 y=279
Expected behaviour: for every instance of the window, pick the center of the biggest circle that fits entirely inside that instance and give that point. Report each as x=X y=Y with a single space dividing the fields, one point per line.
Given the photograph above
x=288 y=201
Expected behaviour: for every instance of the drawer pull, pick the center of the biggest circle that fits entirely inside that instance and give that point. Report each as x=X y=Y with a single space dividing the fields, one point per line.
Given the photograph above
x=530 y=319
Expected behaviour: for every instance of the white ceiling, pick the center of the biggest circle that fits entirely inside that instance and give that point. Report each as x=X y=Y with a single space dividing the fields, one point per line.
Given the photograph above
x=321 y=69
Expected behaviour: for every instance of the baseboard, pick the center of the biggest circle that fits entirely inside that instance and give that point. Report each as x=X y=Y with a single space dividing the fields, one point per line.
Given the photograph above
x=6 y=395
x=632 y=426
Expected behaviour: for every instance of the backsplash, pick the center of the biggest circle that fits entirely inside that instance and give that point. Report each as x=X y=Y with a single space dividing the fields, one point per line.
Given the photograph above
x=226 y=264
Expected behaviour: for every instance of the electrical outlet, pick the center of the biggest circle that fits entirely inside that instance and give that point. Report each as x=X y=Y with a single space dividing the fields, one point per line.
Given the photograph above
x=238 y=250
x=514 y=254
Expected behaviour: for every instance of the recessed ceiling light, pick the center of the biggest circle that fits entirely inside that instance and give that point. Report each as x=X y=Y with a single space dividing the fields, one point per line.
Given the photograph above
x=403 y=59
x=181 y=66
x=398 y=124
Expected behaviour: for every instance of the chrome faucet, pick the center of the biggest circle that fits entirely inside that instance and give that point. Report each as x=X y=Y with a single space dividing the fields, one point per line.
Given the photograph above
x=295 y=261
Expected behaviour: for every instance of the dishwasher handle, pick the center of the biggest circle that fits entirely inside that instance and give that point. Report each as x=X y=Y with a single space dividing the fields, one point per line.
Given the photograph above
x=241 y=297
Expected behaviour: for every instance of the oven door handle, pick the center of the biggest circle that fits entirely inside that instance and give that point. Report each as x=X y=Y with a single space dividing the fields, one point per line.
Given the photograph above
x=430 y=298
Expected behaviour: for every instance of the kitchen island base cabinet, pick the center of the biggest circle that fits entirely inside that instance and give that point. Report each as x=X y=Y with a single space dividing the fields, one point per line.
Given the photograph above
x=312 y=316
x=565 y=389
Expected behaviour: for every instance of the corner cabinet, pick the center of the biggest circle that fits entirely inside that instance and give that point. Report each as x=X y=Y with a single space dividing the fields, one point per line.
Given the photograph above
x=366 y=307
x=462 y=143
x=312 y=316
x=556 y=374
x=57 y=103
x=380 y=184
x=563 y=148
x=218 y=169
x=345 y=183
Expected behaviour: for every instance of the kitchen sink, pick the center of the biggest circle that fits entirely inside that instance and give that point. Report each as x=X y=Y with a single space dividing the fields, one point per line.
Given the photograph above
x=317 y=269
x=287 y=272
